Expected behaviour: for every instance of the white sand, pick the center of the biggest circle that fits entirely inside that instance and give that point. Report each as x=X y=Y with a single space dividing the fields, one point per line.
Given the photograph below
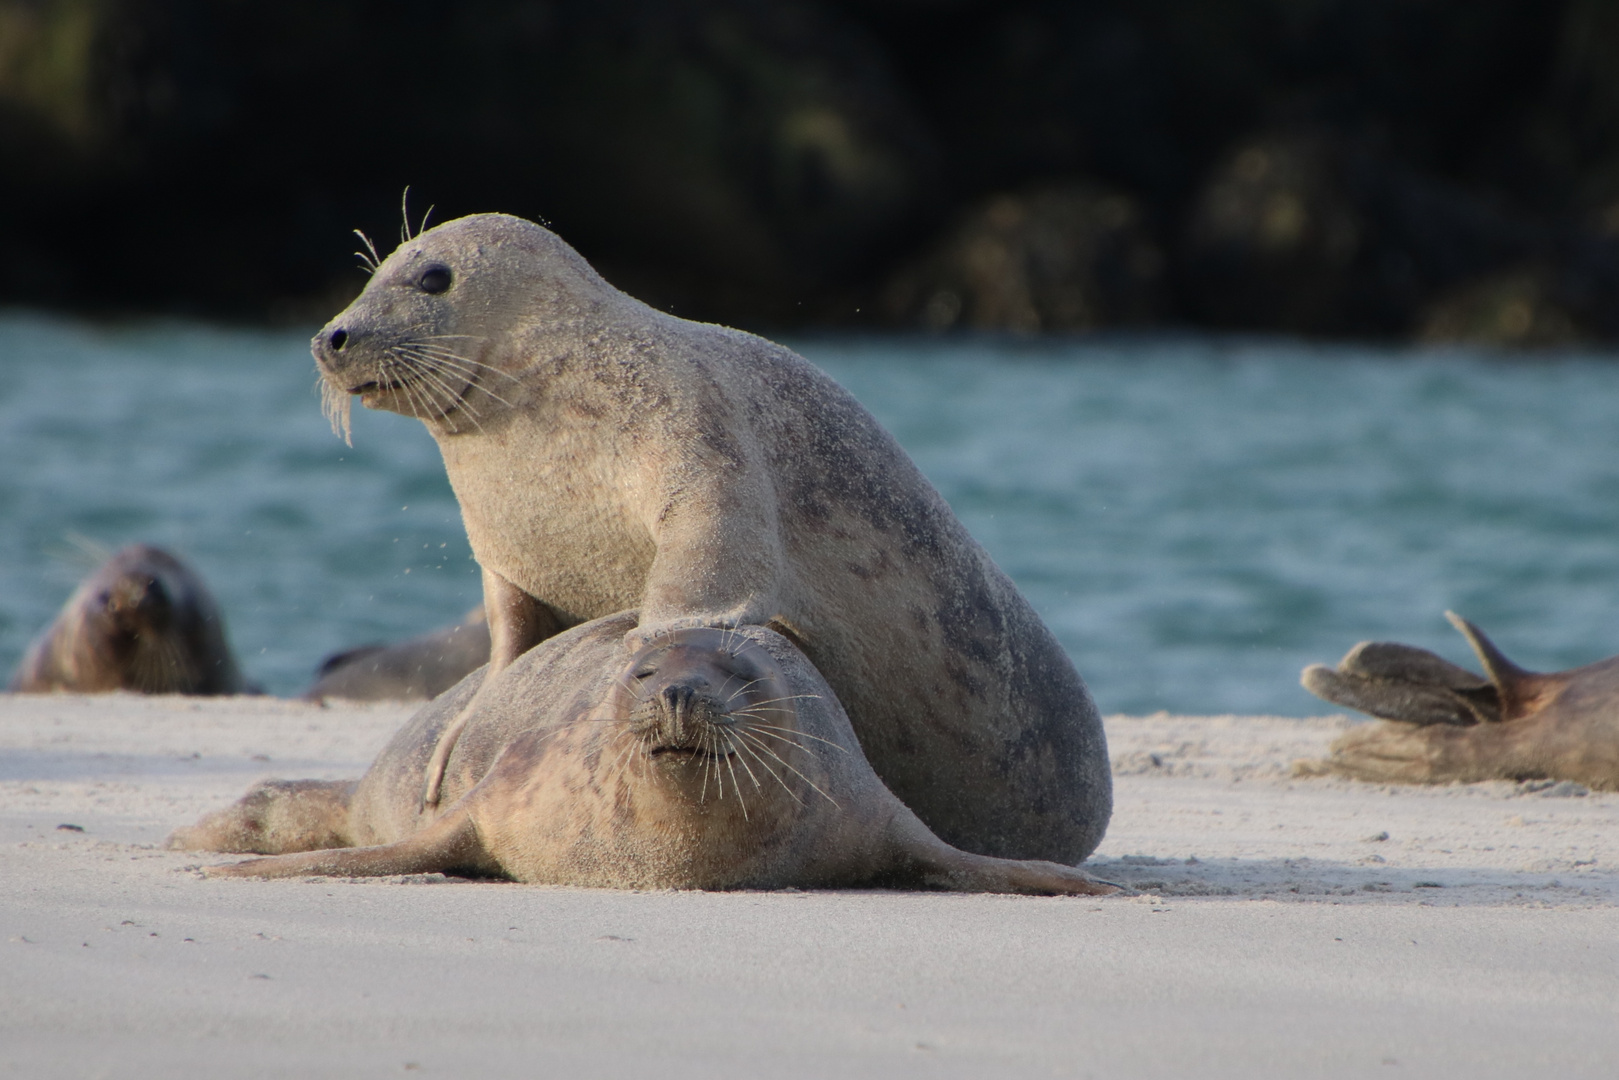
x=1288 y=928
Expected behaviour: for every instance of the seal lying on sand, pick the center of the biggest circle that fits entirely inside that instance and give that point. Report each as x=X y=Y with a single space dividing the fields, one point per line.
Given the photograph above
x=608 y=456
x=145 y=622
x=1450 y=725
x=707 y=759
x=419 y=669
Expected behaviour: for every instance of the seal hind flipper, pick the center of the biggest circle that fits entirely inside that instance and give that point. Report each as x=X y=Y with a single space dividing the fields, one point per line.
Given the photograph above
x=449 y=844
x=1521 y=690
x=1404 y=683
x=1561 y=725
x=1502 y=672
x=1407 y=663
x=275 y=817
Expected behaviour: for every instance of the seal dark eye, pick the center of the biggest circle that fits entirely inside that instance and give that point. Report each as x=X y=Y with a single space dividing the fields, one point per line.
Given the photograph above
x=435 y=280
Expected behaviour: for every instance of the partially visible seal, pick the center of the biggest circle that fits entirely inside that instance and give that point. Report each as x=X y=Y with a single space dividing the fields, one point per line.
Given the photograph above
x=707 y=759
x=144 y=622
x=418 y=669
x=607 y=456
x=1446 y=724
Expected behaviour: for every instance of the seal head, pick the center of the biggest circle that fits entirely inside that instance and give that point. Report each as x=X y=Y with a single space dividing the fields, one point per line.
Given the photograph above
x=429 y=337
x=144 y=621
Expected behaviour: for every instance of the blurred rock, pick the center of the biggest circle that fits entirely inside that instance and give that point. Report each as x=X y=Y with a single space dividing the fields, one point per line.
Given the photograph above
x=1337 y=167
x=1517 y=308
x=1274 y=237
x=725 y=157
x=1314 y=233
x=1064 y=258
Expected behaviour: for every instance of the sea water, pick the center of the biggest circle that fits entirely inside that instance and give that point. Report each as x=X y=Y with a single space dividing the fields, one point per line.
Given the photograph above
x=1196 y=518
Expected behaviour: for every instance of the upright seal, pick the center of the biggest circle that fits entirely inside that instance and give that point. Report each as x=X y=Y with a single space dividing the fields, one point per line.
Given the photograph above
x=144 y=621
x=707 y=759
x=608 y=456
x=1447 y=725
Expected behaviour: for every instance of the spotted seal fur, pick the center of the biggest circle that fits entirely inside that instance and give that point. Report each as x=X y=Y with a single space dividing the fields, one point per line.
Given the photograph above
x=608 y=456
x=705 y=759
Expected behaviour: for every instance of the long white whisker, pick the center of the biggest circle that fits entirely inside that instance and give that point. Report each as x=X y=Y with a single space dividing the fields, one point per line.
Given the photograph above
x=337 y=407
x=444 y=365
x=752 y=682
x=708 y=763
x=426 y=346
x=788 y=766
x=426 y=373
x=423 y=373
x=407 y=384
x=773 y=774
x=730 y=742
x=730 y=763
x=468 y=369
x=768 y=729
x=790 y=697
x=376 y=260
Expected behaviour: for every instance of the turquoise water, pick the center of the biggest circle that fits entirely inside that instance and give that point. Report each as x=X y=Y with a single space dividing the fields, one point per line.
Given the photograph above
x=1196 y=518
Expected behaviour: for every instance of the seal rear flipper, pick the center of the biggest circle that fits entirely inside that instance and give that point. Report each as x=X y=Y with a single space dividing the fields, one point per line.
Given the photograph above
x=1405 y=700
x=449 y=844
x=1521 y=691
x=1406 y=663
x=920 y=859
x=273 y=818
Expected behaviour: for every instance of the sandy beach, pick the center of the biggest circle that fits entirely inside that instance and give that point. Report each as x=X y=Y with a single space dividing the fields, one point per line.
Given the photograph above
x=1284 y=927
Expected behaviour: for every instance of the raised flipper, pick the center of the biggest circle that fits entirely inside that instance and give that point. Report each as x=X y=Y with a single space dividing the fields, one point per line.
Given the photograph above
x=449 y=844
x=1521 y=724
x=1408 y=684
x=1517 y=690
x=275 y=816
x=517 y=622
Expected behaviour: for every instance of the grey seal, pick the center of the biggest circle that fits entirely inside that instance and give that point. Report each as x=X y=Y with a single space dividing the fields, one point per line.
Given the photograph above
x=417 y=669
x=144 y=621
x=608 y=456
x=704 y=759
x=1445 y=724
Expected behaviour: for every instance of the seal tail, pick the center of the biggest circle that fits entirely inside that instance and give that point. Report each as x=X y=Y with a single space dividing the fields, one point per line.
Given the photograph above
x=451 y=843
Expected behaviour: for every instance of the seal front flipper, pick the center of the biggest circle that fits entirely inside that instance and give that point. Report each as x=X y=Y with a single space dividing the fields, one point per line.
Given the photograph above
x=920 y=858
x=517 y=623
x=449 y=844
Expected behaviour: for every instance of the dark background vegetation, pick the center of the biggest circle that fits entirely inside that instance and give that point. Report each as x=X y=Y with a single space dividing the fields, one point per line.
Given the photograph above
x=1445 y=169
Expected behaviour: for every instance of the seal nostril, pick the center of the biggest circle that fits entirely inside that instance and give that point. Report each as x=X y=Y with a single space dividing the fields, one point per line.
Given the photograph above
x=338 y=339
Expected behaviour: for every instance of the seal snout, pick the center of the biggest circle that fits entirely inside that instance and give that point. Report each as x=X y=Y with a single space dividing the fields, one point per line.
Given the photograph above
x=679 y=717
